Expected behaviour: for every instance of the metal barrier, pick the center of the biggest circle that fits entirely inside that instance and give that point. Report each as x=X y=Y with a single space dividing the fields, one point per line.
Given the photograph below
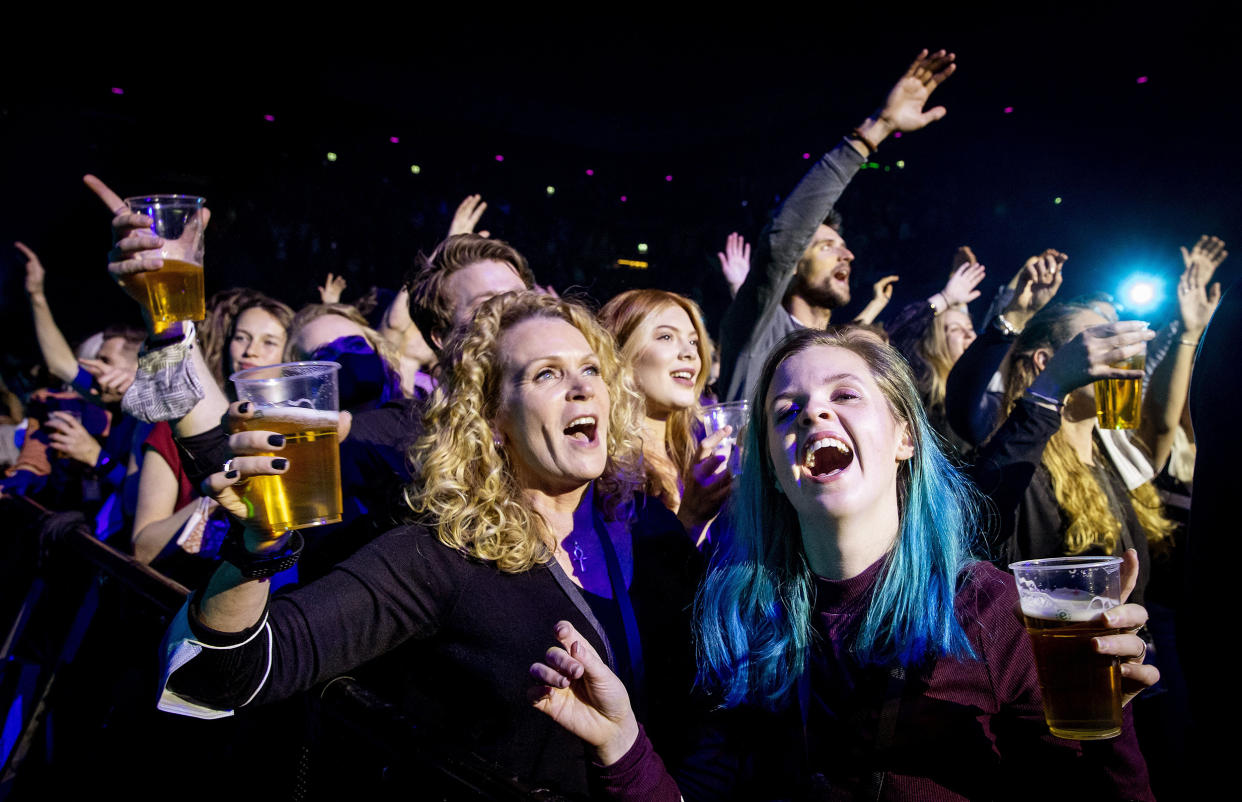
x=27 y=688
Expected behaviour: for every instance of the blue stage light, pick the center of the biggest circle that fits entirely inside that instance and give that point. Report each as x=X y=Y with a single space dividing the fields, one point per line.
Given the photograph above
x=1141 y=293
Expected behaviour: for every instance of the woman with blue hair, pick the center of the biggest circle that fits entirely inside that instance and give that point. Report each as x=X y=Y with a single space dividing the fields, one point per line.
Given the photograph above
x=855 y=646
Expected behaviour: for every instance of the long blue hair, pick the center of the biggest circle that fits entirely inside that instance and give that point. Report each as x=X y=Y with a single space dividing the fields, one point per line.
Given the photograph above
x=753 y=612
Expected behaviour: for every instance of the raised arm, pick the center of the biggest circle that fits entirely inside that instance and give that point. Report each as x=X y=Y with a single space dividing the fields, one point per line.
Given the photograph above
x=881 y=294
x=135 y=249
x=57 y=354
x=1165 y=398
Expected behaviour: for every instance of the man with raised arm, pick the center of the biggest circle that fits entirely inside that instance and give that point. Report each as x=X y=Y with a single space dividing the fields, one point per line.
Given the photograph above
x=801 y=268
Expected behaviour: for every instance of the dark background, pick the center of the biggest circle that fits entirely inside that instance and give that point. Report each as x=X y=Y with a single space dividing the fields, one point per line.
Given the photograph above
x=727 y=110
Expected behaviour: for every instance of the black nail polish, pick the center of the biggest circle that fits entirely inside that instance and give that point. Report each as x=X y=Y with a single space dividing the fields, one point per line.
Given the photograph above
x=276 y=440
x=280 y=463
x=244 y=407
x=230 y=474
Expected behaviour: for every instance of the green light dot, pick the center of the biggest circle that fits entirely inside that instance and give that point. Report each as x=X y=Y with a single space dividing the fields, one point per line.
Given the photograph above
x=415 y=169
x=873 y=165
x=901 y=164
x=887 y=168
x=642 y=247
x=551 y=190
x=331 y=156
x=1057 y=201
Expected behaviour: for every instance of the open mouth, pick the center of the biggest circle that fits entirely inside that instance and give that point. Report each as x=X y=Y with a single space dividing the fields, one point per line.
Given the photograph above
x=841 y=274
x=582 y=429
x=827 y=456
x=683 y=376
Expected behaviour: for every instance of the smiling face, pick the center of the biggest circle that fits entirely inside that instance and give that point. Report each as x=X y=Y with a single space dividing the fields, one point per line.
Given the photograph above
x=834 y=443
x=554 y=405
x=668 y=361
x=823 y=277
x=258 y=340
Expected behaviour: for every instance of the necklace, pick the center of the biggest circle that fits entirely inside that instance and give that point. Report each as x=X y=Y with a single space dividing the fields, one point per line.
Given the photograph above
x=578 y=555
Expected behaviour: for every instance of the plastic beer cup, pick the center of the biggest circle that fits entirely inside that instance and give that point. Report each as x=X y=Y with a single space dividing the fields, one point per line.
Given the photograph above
x=174 y=292
x=299 y=401
x=1063 y=603
x=717 y=416
x=1118 y=401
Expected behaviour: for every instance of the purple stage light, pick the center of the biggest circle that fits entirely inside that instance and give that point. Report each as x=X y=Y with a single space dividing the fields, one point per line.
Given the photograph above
x=590 y=172
x=116 y=90
x=624 y=199
x=271 y=118
x=1142 y=79
x=896 y=135
x=668 y=178
x=1009 y=109
x=499 y=158
x=393 y=139
x=806 y=155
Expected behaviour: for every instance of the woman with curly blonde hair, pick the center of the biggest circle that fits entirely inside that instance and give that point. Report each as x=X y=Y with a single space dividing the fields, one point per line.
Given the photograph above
x=1057 y=491
x=527 y=516
x=663 y=339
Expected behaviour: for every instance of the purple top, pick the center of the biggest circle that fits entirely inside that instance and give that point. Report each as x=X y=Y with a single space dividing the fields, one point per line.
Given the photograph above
x=963 y=729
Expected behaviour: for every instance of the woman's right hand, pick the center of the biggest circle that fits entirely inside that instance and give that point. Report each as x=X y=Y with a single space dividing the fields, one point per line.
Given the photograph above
x=1090 y=356
x=705 y=487
x=579 y=692
x=245 y=446
x=132 y=237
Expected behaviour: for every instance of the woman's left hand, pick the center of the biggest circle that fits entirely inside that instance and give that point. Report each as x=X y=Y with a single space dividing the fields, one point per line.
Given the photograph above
x=705 y=485
x=1128 y=646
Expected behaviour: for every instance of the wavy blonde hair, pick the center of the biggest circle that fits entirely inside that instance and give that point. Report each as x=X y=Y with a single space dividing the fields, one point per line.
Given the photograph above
x=1091 y=523
x=933 y=347
x=466 y=485
x=624 y=316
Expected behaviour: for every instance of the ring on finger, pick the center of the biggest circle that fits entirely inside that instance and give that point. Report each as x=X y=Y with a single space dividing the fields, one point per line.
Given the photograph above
x=228 y=465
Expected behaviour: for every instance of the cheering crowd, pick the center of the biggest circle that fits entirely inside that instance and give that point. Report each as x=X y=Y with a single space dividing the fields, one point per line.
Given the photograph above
x=543 y=555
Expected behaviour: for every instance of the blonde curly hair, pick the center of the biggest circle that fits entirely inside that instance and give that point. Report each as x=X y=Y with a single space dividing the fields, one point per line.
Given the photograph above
x=1091 y=522
x=465 y=486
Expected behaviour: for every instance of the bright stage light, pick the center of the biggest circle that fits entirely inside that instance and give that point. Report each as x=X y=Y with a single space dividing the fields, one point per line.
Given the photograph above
x=1141 y=293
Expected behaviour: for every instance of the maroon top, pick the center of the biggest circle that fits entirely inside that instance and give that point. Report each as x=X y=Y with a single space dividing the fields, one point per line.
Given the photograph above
x=160 y=440
x=963 y=729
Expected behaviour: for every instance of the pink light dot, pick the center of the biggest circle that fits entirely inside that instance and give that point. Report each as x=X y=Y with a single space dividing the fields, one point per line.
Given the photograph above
x=116 y=90
x=897 y=135
x=270 y=118
x=668 y=178
x=806 y=155
x=590 y=172
x=393 y=139
x=499 y=158
x=1142 y=79
x=1009 y=109
x=624 y=199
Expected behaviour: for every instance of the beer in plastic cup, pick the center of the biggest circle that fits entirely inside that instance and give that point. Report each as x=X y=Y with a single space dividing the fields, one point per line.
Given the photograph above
x=298 y=400
x=1118 y=401
x=717 y=416
x=174 y=292
x=1063 y=603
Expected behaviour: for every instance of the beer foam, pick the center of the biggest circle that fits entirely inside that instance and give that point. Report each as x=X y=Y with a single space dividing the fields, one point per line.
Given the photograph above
x=1062 y=604
x=298 y=415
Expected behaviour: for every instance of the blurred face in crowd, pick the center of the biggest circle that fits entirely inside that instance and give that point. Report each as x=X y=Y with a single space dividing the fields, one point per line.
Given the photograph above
x=554 y=405
x=117 y=352
x=258 y=340
x=668 y=364
x=323 y=330
x=472 y=285
x=823 y=277
x=959 y=332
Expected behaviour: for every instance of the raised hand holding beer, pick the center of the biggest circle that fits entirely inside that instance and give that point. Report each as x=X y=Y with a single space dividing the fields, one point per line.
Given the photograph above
x=160 y=234
x=1090 y=357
